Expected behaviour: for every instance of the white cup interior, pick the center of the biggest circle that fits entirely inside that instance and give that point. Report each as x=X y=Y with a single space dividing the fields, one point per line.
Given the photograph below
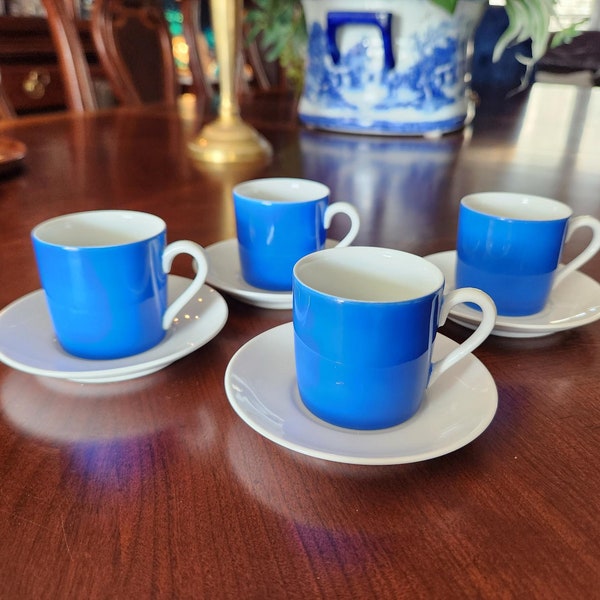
x=520 y=207
x=99 y=228
x=369 y=274
x=282 y=189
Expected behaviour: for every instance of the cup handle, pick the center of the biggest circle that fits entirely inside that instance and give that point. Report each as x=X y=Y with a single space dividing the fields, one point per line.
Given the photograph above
x=347 y=209
x=592 y=248
x=196 y=252
x=488 y=320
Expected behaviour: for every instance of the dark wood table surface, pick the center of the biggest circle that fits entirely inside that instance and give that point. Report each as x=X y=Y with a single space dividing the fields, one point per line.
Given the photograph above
x=155 y=488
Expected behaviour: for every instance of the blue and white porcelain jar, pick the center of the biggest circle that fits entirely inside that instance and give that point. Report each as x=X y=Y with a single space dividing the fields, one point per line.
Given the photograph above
x=397 y=67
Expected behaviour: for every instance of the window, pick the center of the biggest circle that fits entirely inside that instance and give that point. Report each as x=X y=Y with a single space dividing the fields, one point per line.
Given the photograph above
x=573 y=11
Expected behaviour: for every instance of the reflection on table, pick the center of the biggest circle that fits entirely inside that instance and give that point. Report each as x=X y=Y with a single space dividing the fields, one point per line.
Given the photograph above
x=155 y=487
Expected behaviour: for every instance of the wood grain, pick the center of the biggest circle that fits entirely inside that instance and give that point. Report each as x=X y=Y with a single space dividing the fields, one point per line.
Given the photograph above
x=154 y=488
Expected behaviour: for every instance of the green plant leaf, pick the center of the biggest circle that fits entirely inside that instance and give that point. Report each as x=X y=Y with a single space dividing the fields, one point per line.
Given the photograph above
x=566 y=35
x=449 y=5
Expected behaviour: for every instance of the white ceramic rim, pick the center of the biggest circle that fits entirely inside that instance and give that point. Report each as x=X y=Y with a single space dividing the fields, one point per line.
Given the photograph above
x=513 y=206
x=65 y=230
x=366 y=260
x=281 y=190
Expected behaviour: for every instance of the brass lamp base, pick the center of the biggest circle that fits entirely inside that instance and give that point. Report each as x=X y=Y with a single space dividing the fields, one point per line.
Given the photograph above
x=230 y=140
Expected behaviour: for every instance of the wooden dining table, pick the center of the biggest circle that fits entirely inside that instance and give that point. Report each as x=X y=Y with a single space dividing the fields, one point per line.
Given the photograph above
x=155 y=487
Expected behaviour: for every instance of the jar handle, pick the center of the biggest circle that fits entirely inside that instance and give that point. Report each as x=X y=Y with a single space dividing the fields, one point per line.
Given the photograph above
x=382 y=20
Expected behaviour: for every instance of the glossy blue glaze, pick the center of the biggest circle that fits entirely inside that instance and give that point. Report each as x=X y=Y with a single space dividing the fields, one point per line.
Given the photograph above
x=513 y=260
x=273 y=236
x=105 y=302
x=358 y=397
x=353 y=357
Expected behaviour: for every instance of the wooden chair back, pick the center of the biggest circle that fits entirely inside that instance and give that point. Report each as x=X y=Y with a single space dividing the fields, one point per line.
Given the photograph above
x=7 y=110
x=77 y=81
x=195 y=40
x=134 y=46
x=264 y=75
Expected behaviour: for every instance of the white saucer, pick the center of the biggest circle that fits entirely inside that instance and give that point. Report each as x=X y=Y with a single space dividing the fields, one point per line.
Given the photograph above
x=28 y=343
x=225 y=273
x=260 y=383
x=573 y=303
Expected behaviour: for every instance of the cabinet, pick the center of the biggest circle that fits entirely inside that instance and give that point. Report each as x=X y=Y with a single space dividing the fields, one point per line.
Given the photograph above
x=29 y=65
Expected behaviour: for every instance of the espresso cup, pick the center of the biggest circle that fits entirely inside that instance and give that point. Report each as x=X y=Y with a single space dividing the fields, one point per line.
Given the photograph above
x=509 y=245
x=365 y=321
x=104 y=274
x=280 y=220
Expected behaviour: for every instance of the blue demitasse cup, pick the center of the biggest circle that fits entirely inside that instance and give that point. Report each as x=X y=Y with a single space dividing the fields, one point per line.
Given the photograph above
x=104 y=274
x=365 y=320
x=279 y=220
x=509 y=245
